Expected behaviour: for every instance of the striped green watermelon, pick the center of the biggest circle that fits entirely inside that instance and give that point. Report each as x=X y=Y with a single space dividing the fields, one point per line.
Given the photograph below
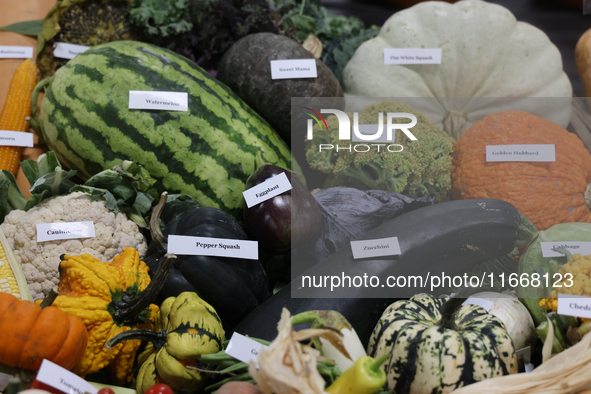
x=207 y=152
x=435 y=350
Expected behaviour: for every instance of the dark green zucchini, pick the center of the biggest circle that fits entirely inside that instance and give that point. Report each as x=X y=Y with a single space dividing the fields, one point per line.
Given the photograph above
x=451 y=237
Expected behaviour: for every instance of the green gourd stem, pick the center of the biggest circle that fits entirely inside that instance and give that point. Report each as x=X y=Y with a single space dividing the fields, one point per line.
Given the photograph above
x=375 y=366
x=47 y=301
x=158 y=338
x=304 y=317
x=155 y=230
x=34 y=118
x=449 y=311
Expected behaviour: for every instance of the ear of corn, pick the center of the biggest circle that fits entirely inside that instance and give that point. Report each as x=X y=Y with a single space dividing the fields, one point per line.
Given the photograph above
x=16 y=110
x=12 y=279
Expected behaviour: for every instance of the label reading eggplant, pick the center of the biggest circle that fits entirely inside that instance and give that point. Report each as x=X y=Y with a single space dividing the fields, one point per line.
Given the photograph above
x=396 y=56
x=243 y=348
x=220 y=247
x=293 y=68
x=60 y=378
x=486 y=304
x=15 y=52
x=574 y=305
x=169 y=101
x=372 y=130
x=16 y=138
x=375 y=248
x=272 y=187
x=535 y=152
x=68 y=51
x=582 y=248
x=65 y=230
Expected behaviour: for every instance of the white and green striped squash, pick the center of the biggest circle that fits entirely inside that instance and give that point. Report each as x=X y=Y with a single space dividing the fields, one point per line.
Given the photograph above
x=435 y=351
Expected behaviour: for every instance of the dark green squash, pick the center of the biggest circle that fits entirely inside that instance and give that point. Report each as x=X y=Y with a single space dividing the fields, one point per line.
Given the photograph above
x=246 y=69
x=232 y=286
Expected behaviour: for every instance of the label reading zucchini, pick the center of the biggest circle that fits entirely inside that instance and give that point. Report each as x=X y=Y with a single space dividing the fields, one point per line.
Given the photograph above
x=375 y=248
x=170 y=101
x=15 y=138
x=535 y=152
x=66 y=230
x=15 y=52
x=272 y=187
x=220 y=247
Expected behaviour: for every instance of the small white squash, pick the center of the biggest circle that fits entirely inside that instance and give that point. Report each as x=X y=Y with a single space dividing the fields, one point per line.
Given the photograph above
x=486 y=53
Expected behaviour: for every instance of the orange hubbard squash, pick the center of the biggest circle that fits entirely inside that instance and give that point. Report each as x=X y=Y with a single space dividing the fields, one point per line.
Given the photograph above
x=547 y=193
x=31 y=333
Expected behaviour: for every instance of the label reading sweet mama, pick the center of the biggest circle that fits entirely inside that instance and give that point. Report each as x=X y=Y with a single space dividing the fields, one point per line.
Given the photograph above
x=243 y=348
x=371 y=130
x=535 y=152
x=375 y=247
x=169 y=101
x=65 y=230
x=60 y=378
x=68 y=51
x=582 y=248
x=205 y=246
x=272 y=187
x=573 y=305
x=486 y=304
x=397 y=56
x=15 y=138
x=15 y=52
x=293 y=68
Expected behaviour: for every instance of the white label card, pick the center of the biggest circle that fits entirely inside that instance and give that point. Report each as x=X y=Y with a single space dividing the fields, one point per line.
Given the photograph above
x=264 y=191
x=524 y=353
x=68 y=51
x=293 y=68
x=397 y=56
x=63 y=380
x=573 y=305
x=582 y=248
x=221 y=247
x=536 y=152
x=243 y=348
x=170 y=101
x=375 y=247
x=15 y=52
x=15 y=138
x=486 y=304
x=372 y=129
x=65 y=230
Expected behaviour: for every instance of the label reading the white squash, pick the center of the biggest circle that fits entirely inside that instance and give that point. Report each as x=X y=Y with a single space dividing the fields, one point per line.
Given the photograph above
x=15 y=52
x=272 y=187
x=574 y=305
x=535 y=152
x=397 y=56
x=243 y=348
x=68 y=51
x=63 y=380
x=15 y=138
x=371 y=130
x=293 y=68
x=169 y=101
x=375 y=248
x=206 y=246
x=66 y=230
x=486 y=304
x=582 y=248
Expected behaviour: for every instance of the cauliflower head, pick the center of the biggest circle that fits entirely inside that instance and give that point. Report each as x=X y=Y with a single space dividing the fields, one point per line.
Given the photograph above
x=423 y=166
x=40 y=261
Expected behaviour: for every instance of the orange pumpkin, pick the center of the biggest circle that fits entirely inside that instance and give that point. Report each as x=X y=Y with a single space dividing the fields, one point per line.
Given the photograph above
x=547 y=193
x=31 y=333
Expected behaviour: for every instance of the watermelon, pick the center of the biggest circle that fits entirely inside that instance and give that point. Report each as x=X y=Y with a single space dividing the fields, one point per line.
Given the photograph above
x=207 y=152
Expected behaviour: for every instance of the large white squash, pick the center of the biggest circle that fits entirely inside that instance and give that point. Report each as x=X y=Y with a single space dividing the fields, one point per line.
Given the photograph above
x=486 y=53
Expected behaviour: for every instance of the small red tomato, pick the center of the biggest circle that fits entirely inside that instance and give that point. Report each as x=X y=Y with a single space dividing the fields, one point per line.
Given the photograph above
x=106 y=390
x=159 y=388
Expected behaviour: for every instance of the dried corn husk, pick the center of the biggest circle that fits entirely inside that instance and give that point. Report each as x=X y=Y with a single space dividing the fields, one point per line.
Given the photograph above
x=565 y=373
x=287 y=366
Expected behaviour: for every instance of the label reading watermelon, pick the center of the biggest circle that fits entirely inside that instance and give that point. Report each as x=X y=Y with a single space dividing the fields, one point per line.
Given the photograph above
x=170 y=101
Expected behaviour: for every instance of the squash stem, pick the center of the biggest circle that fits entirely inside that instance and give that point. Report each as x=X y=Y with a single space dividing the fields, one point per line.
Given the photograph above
x=155 y=230
x=449 y=311
x=47 y=301
x=158 y=338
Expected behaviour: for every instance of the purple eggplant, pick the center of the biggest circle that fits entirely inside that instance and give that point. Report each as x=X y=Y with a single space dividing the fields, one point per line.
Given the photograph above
x=283 y=222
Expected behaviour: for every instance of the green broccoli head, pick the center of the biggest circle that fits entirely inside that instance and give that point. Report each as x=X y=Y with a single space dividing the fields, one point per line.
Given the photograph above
x=423 y=166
